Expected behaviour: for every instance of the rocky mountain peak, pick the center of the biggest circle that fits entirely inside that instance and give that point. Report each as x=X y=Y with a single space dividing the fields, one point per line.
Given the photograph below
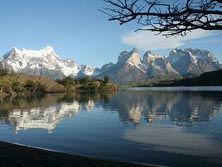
x=134 y=50
x=123 y=56
x=193 y=61
x=133 y=58
x=150 y=57
x=129 y=68
x=49 y=49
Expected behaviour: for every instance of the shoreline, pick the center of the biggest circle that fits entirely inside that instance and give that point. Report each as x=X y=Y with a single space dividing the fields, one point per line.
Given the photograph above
x=15 y=155
x=175 y=88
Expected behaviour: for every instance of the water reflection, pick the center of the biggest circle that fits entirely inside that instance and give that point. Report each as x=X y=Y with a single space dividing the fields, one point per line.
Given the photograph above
x=40 y=112
x=180 y=107
x=156 y=127
x=46 y=112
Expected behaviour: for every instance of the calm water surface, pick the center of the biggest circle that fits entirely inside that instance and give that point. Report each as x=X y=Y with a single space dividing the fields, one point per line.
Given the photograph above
x=162 y=127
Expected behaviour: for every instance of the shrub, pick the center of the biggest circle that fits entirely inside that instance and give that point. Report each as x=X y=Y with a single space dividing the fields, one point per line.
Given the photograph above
x=30 y=86
x=85 y=80
x=40 y=88
x=17 y=87
x=3 y=72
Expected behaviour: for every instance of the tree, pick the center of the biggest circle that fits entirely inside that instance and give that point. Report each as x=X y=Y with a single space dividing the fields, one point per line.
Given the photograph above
x=167 y=17
x=106 y=80
x=67 y=81
x=85 y=80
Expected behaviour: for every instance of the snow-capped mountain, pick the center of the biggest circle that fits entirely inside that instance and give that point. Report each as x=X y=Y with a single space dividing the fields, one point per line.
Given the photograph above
x=42 y=62
x=193 y=61
x=179 y=63
x=129 y=67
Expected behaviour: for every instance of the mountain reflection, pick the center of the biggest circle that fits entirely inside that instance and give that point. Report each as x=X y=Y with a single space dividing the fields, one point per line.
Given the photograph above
x=42 y=112
x=180 y=107
x=132 y=106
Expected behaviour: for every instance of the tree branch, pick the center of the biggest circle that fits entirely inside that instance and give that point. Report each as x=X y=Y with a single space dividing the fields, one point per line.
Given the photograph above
x=167 y=18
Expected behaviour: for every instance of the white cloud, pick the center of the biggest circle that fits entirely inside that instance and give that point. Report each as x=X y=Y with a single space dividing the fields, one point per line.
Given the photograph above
x=169 y=138
x=147 y=40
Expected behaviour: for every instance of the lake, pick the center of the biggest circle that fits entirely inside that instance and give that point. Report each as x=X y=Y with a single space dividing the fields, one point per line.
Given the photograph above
x=161 y=126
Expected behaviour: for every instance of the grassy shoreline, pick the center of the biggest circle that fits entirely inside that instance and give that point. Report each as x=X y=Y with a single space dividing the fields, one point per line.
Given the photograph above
x=15 y=155
x=28 y=85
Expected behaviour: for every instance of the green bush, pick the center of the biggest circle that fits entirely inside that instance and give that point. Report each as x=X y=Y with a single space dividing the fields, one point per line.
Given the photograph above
x=87 y=84
x=17 y=87
x=85 y=80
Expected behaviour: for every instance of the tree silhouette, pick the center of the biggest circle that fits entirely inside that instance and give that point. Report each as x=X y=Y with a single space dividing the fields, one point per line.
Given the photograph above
x=106 y=80
x=167 y=17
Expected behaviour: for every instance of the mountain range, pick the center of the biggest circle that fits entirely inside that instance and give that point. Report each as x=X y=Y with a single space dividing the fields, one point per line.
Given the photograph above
x=130 y=67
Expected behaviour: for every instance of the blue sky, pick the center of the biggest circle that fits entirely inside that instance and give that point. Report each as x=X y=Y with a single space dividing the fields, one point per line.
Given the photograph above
x=77 y=30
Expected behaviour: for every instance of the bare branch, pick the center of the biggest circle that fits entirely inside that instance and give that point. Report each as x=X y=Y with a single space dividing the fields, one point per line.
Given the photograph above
x=176 y=18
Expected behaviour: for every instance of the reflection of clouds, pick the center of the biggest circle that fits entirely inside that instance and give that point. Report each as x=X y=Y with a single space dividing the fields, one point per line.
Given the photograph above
x=175 y=140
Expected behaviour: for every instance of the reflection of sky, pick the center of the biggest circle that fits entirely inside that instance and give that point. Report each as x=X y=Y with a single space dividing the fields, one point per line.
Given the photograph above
x=201 y=135
x=182 y=108
x=176 y=139
x=182 y=123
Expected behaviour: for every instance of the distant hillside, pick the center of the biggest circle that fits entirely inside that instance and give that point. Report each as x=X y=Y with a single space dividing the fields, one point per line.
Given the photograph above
x=20 y=84
x=213 y=78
